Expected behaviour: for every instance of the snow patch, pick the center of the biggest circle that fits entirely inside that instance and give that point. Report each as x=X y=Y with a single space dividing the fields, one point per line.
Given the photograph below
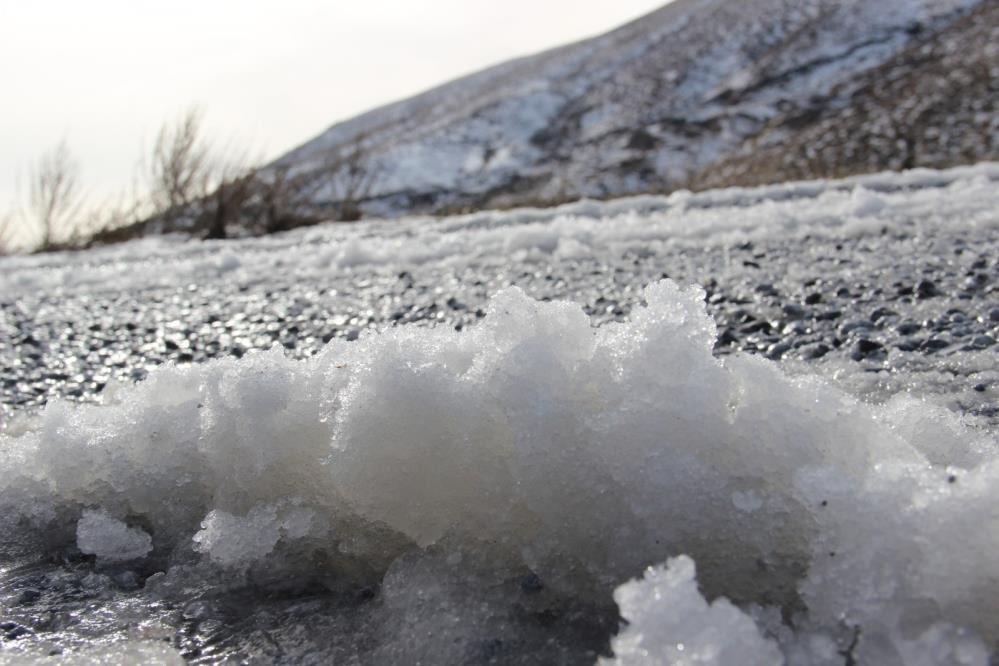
x=537 y=444
x=669 y=622
x=110 y=539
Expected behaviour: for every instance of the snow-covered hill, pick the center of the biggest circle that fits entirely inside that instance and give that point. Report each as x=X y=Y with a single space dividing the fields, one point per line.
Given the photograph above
x=936 y=103
x=642 y=108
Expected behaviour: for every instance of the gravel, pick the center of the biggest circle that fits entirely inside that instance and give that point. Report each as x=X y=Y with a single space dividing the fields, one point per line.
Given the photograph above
x=905 y=306
x=884 y=303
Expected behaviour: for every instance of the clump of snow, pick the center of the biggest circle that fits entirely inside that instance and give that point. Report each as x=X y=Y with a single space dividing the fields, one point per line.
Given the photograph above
x=866 y=202
x=110 y=539
x=537 y=445
x=231 y=540
x=669 y=622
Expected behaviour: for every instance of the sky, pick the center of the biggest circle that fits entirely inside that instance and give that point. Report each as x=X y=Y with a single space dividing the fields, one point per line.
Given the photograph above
x=104 y=75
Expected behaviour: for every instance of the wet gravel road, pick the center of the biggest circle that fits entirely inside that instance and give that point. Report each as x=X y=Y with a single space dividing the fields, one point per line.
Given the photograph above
x=881 y=290
x=897 y=302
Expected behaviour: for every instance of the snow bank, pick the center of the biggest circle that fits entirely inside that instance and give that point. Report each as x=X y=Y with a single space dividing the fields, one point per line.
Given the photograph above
x=426 y=462
x=921 y=200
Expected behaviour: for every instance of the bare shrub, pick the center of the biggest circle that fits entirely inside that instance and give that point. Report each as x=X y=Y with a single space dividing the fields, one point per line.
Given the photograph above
x=231 y=197
x=7 y=232
x=194 y=185
x=55 y=200
x=180 y=170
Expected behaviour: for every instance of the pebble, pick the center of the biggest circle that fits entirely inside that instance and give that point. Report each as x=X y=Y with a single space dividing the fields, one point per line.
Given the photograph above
x=927 y=289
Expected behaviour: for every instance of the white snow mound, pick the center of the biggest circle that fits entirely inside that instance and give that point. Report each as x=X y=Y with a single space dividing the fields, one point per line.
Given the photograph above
x=536 y=442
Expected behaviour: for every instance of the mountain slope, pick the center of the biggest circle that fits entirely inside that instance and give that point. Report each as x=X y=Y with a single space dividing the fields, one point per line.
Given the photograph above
x=933 y=105
x=647 y=107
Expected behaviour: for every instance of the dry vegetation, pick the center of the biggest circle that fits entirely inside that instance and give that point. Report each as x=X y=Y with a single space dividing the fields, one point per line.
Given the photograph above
x=185 y=184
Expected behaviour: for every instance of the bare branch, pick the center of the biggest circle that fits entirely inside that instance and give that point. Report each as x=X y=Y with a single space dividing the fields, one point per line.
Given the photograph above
x=287 y=197
x=180 y=172
x=54 y=197
x=7 y=225
x=237 y=184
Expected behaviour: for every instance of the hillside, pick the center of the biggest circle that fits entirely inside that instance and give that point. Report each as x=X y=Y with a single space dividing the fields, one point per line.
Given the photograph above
x=932 y=105
x=699 y=92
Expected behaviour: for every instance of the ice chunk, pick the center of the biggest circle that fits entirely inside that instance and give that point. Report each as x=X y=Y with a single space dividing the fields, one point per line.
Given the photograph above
x=669 y=622
x=108 y=538
x=237 y=540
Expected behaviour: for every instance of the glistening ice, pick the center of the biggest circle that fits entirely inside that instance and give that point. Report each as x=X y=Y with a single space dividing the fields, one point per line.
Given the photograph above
x=532 y=476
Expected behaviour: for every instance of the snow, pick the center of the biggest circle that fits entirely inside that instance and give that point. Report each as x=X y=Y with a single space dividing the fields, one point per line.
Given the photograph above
x=99 y=534
x=846 y=208
x=669 y=622
x=590 y=94
x=438 y=465
x=580 y=454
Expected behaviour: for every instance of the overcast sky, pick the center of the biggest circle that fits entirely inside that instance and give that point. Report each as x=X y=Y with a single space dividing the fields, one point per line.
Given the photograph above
x=105 y=74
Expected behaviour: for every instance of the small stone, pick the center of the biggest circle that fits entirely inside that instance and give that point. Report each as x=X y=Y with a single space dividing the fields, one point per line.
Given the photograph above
x=727 y=338
x=818 y=351
x=865 y=348
x=882 y=313
x=855 y=325
x=934 y=344
x=927 y=289
x=976 y=281
x=983 y=341
x=775 y=352
x=13 y=630
x=793 y=310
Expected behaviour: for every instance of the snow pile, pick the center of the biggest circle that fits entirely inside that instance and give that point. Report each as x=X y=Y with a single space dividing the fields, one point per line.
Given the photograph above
x=920 y=201
x=671 y=623
x=436 y=466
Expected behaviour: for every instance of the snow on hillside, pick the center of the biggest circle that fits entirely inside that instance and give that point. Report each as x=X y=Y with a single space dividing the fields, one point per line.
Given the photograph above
x=560 y=440
x=643 y=107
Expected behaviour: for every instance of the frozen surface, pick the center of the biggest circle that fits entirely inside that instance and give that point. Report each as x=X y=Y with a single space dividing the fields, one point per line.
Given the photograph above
x=498 y=486
x=669 y=622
